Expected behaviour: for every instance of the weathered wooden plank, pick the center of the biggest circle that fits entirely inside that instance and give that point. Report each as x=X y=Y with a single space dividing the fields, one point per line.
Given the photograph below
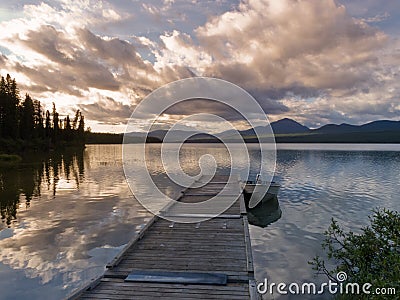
x=221 y=233
x=202 y=216
x=221 y=226
x=212 y=265
x=231 y=286
x=190 y=288
x=215 y=239
x=120 y=283
x=167 y=291
x=153 y=296
x=194 y=291
x=207 y=236
x=238 y=258
x=114 y=294
x=122 y=273
x=205 y=225
x=181 y=267
x=234 y=256
x=172 y=247
x=199 y=243
x=114 y=289
x=222 y=230
x=224 y=227
x=191 y=235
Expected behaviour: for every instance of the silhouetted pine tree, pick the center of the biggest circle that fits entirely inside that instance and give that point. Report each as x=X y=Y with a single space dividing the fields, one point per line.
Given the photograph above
x=55 y=125
x=38 y=120
x=27 y=119
x=3 y=104
x=48 y=129
x=9 y=104
x=81 y=128
x=67 y=129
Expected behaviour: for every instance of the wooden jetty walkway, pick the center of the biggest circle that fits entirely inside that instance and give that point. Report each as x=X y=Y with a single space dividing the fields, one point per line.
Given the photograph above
x=207 y=260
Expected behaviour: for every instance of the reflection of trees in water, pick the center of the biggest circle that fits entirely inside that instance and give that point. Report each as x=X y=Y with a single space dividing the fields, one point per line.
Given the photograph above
x=24 y=182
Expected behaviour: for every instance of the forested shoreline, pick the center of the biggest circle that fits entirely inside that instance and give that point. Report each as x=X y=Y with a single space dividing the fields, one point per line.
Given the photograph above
x=26 y=126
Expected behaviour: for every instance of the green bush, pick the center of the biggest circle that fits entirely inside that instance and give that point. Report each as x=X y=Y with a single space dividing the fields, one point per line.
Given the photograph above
x=373 y=256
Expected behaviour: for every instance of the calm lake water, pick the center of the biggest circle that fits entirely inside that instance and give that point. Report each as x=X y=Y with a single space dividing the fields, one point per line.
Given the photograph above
x=66 y=215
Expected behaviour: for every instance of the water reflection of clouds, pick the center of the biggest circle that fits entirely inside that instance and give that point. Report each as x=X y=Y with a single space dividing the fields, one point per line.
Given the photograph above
x=318 y=185
x=67 y=239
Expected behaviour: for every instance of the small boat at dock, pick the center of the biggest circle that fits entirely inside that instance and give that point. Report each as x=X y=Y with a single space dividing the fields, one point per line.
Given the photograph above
x=259 y=191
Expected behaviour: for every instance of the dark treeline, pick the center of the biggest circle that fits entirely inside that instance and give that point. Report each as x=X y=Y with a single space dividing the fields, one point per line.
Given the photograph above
x=24 y=125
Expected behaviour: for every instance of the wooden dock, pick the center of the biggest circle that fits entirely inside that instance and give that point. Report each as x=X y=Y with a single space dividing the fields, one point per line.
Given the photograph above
x=174 y=253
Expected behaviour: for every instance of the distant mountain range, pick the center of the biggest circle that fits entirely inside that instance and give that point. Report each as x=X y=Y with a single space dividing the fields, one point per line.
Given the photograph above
x=290 y=131
x=375 y=126
x=287 y=126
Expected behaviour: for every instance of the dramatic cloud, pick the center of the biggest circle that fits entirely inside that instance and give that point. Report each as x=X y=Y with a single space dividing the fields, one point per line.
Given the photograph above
x=315 y=61
x=278 y=45
x=293 y=52
x=106 y=111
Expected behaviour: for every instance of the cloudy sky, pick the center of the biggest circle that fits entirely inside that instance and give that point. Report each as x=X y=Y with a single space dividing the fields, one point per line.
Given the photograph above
x=317 y=62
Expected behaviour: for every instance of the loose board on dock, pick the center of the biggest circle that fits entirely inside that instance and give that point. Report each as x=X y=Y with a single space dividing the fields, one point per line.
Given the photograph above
x=177 y=277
